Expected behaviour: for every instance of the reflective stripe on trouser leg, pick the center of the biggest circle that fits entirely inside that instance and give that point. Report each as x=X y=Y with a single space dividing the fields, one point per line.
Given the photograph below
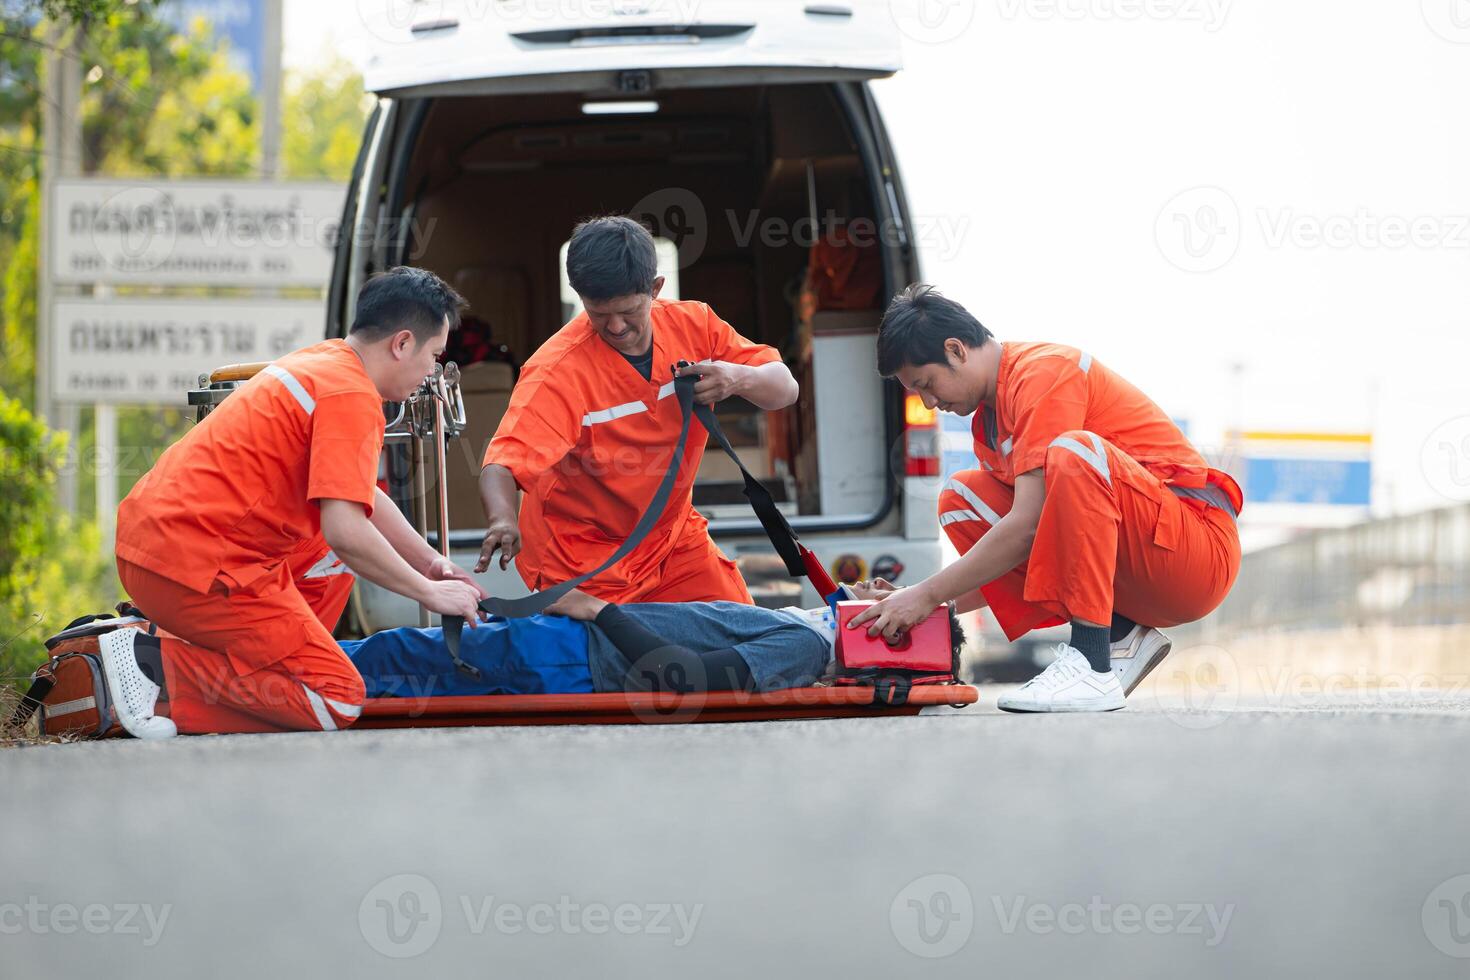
x=972 y=503
x=1096 y=456
x=980 y=508
x=319 y=706
x=1074 y=554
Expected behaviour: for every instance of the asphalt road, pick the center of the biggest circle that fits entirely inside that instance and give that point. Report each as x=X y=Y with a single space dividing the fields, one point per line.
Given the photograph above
x=1309 y=839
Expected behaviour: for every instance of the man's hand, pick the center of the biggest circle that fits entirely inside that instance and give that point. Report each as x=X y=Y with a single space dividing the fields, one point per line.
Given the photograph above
x=720 y=380
x=454 y=598
x=577 y=604
x=896 y=614
x=444 y=570
x=504 y=535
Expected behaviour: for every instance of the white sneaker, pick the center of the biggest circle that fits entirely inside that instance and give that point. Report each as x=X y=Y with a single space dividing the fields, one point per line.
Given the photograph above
x=1138 y=653
x=1069 y=684
x=133 y=694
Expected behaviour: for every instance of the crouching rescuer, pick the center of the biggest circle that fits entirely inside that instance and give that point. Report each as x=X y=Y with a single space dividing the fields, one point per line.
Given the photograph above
x=242 y=542
x=1090 y=507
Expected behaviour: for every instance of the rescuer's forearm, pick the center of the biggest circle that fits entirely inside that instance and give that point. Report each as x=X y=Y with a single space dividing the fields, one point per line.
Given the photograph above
x=498 y=493
x=401 y=535
x=364 y=550
x=770 y=386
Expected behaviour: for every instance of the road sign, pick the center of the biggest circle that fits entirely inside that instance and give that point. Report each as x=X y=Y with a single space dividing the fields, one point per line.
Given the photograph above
x=1344 y=483
x=166 y=232
x=152 y=351
x=956 y=444
x=1332 y=469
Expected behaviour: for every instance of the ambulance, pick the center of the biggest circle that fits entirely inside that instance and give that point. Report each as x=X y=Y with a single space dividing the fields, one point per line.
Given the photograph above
x=746 y=136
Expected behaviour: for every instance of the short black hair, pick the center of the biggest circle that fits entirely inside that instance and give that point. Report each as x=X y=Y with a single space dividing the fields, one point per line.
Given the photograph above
x=916 y=325
x=406 y=298
x=611 y=256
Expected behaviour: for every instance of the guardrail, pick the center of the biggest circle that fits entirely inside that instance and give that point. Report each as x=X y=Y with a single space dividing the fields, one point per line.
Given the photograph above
x=1410 y=570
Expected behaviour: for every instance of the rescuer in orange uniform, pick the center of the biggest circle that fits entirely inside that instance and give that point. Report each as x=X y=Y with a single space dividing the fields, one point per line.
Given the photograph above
x=1090 y=507
x=592 y=425
x=242 y=542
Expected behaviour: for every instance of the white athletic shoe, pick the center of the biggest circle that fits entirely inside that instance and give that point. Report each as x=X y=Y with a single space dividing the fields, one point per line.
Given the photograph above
x=1069 y=684
x=133 y=694
x=1134 y=656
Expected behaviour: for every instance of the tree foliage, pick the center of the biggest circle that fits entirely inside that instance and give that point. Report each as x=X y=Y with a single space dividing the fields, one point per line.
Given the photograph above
x=51 y=567
x=155 y=101
x=324 y=112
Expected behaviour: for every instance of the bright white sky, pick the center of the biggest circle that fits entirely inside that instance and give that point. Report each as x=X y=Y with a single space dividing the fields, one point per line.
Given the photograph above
x=1045 y=144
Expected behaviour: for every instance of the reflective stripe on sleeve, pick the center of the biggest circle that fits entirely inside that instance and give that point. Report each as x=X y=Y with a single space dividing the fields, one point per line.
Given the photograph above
x=293 y=386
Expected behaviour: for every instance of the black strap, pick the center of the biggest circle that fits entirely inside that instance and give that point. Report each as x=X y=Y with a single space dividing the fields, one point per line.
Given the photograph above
x=783 y=538
x=535 y=602
x=32 y=699
x=892 y=690
x=775 y=524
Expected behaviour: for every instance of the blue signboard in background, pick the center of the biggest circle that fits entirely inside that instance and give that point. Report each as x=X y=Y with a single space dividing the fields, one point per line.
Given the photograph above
x=1333 y=469
x=1305 y=480
x=240 y=22
x=956 y=444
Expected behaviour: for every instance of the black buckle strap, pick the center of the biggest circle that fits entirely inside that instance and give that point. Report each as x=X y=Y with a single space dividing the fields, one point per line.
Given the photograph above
x=892 y=690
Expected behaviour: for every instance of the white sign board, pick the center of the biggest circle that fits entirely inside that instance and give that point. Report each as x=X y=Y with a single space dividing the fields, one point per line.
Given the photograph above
x=166 y=232
x=152 y=351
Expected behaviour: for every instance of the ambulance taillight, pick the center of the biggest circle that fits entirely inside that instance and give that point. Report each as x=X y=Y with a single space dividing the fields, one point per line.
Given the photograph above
x=920 y=438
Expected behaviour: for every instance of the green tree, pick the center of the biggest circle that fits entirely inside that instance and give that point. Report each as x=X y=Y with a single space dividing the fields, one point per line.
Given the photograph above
x=154 y=101
x=51 y=567
x=324 y=113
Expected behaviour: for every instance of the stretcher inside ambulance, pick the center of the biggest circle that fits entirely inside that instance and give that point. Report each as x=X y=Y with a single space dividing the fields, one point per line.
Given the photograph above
x=757 y=156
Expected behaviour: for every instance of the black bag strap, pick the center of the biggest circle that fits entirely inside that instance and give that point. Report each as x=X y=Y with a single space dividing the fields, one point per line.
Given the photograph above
x=41 y=686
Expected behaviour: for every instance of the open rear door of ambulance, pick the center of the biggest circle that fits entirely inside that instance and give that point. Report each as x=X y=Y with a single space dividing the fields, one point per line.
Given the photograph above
x=622 y=48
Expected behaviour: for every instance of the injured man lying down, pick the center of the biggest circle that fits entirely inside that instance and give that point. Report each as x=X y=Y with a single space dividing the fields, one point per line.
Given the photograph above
x=582 y=644
x=579 y=645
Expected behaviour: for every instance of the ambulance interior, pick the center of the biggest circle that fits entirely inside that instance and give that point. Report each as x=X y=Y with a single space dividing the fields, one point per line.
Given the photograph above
x=495 y=185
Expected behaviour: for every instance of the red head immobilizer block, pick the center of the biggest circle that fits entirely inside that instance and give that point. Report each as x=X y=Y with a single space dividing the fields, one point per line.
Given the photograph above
x=926 y=647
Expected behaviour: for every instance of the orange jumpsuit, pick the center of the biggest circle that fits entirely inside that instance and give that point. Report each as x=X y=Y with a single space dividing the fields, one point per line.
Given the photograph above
x=220 y=544
x=588 y=439
x=1134 y=520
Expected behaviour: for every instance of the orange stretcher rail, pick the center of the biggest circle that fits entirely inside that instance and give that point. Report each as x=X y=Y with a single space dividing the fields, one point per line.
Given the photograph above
x=650 y=709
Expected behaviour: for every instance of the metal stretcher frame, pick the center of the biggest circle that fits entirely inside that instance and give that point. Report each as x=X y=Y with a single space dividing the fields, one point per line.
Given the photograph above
x=651 y=709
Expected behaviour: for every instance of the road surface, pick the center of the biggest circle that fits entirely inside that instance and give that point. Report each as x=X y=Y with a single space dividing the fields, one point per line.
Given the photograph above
x=1316 y=838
